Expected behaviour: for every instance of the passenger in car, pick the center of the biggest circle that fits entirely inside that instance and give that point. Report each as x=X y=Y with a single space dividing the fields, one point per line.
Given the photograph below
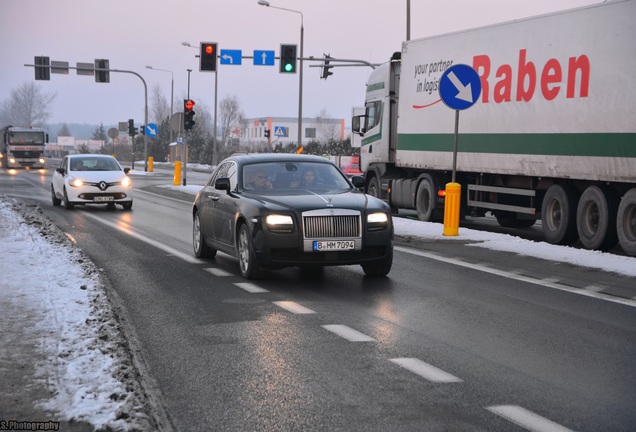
x=308 y=180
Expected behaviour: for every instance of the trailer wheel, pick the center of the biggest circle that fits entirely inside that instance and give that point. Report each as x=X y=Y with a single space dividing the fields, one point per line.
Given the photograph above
x=426 y=201
x=558 y=215
x=626 y=222
x=596 y=218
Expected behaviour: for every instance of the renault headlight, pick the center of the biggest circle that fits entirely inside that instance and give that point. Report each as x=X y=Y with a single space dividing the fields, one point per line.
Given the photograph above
x=76 y=182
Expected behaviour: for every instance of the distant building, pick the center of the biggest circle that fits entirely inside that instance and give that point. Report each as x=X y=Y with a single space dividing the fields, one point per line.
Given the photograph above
x=284 y=130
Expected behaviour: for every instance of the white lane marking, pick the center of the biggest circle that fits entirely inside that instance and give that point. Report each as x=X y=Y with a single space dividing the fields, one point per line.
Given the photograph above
x=217 y=272
x=527 y=419
x=293 y=307
x=425 y=370
x=126 y=229
x=348 y=333
x=518 y=277
x=250 y=287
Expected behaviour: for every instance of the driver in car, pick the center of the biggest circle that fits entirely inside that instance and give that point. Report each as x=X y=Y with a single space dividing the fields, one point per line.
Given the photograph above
x=259 y=181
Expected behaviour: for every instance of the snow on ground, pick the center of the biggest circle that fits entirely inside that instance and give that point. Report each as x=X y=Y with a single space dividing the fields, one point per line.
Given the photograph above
x=55 y=296
x=56 y=311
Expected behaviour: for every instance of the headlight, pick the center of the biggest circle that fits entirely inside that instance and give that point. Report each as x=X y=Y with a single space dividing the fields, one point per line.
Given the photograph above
x=76 y=182
x=279 y=223
x=126 y=182
x=41 y=160
x=377 y=221
x=377 y=218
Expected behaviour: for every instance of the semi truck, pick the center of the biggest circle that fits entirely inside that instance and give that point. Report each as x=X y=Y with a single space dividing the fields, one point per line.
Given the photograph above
x=23 y=147
x=552 y=136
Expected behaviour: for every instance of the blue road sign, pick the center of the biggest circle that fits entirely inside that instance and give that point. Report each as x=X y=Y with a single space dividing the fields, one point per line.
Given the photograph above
x=280 y=131
x=460 y=87
x=231 y=57
x=151 y=130
x=264 y=58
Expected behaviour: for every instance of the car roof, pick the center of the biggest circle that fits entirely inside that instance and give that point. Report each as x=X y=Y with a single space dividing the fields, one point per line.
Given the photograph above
x=246 y=158
x=85 y=155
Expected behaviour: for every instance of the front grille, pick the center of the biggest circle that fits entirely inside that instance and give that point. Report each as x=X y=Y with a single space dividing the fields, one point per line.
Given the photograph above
x=331 y=224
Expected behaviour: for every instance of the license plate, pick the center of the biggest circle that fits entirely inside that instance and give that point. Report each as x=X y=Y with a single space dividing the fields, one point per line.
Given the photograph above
x=103 y=199
x=333 y=245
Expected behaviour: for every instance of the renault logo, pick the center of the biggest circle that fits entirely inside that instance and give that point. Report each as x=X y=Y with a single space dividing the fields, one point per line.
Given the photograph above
x=102 y=185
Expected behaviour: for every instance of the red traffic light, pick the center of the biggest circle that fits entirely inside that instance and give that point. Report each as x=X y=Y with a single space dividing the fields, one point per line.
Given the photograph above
x=209 y=49
x=189 y=104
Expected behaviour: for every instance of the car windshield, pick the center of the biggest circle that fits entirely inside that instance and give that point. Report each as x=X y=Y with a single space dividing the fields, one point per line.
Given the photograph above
x=94 y=164
x=289 y=176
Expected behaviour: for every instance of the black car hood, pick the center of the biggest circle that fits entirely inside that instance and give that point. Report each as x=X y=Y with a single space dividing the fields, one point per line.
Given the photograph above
x=308 y=200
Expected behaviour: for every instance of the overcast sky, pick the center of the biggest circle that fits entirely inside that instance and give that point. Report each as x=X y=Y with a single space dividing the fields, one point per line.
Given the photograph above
x=136 y=33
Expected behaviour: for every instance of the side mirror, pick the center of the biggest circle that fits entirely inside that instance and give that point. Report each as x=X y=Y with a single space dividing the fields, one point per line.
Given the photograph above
x=127 y=170
x=356 y=125
x=61 y=170
x=222 y=183
x=358 y=181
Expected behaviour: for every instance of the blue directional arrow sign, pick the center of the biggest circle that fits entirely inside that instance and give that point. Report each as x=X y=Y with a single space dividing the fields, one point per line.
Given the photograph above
x=460 y=87
x=264 y=58
x=231 y=57
x=151 y=130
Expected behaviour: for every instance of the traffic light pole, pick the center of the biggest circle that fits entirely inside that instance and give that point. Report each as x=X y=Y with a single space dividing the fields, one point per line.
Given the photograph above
x=95 y=69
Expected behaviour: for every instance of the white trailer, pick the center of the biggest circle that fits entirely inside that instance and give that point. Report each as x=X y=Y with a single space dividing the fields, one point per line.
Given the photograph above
x=552 y=136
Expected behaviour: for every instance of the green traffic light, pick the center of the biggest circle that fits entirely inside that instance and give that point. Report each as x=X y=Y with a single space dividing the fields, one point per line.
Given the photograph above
x=289 y=67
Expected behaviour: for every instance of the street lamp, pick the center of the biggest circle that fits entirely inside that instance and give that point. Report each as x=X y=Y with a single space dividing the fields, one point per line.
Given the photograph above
x=171 y=94
x=300 y=75
x=216 y=92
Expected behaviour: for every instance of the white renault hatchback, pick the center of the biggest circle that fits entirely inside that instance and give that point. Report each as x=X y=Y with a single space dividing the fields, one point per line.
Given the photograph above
x=91 y=179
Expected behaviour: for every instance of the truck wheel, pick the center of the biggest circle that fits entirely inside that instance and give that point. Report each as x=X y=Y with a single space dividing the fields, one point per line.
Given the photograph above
x=373 y=188
x=626 y=222
x=558 y=215
x=596 y=218
x=426 y=201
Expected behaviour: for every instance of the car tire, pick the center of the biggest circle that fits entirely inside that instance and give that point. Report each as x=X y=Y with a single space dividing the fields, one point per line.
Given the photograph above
x=127 y=206
x=245 y=252
x=67 y=204
x=381 y=268
x=201 y=248
x=54 y=199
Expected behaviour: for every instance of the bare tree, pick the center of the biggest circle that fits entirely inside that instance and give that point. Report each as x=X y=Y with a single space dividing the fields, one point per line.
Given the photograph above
x=27 y=105
x=160 y=110
x=327 y=130
x=230 y=118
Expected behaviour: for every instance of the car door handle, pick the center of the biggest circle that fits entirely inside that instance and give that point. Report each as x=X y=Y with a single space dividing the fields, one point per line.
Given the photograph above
x=213 y=197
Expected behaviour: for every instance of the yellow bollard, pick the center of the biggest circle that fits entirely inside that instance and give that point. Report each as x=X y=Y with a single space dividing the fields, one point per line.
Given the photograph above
x=451 y=209
x=151 y=162
x=177 y=173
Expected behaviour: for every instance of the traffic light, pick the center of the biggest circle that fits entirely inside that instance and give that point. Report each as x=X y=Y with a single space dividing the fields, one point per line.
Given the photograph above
x=267 y=133
x=142 y=129
x=188 y=114
x=207 y=57
x=287 y=58
x=132 y=131
x=102 y=76
x=42 y=73
x=325 y=67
